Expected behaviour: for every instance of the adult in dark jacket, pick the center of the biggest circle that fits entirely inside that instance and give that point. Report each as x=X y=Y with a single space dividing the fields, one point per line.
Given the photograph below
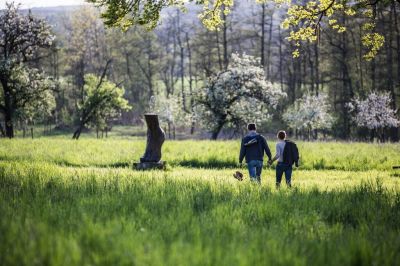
x=287 y=154
x=252 y=148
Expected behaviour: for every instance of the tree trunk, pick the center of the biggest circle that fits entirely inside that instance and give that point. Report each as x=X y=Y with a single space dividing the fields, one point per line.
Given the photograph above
x=218 y=51
x=190 y=82
x=77 y=132
x=280 y=58
x=262 y=61
x=396 y=26
x=2 y=133
x=7 y=109
x=225 y=40
x=269 y=46
x=182 y=65
x=216 y=131
x=316 y=65
x=394 y=136
x=9 y=124
x=169 y=130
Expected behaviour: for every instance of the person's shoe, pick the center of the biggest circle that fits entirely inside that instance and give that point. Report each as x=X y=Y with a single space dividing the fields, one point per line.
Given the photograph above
x=253 y=179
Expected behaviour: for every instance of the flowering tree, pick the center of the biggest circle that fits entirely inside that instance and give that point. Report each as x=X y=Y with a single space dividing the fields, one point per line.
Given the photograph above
x=33 y=94
x=237 y=95
x=375 y=113
x=309 y=113
x=21 y=37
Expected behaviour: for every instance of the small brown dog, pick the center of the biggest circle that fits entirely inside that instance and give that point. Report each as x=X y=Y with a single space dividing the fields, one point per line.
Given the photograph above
x=238 y=175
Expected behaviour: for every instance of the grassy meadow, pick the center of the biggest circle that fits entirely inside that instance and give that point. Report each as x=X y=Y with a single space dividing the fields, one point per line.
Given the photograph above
x=65 y=202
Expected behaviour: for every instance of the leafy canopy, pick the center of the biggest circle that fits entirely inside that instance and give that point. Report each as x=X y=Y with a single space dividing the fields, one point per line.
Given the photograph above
x=304 y=18
x=103 y=100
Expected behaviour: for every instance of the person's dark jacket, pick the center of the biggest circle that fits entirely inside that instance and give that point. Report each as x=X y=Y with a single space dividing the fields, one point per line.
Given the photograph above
x=253 y=147
x=290 y=153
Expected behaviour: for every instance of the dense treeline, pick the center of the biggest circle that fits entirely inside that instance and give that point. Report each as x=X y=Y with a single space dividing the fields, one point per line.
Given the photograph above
x=165 y=70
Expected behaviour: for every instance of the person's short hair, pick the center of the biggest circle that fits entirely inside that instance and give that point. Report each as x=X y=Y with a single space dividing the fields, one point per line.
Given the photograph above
x=251 y=126
x=281 y=134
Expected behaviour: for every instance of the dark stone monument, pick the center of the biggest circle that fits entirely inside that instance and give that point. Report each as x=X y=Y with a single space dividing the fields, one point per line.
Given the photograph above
x=155 y=139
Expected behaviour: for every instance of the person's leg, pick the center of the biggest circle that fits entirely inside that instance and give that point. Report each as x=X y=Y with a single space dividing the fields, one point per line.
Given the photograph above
x=259 y=170
x=279 y=173
x=288 y=175
x=252 y=170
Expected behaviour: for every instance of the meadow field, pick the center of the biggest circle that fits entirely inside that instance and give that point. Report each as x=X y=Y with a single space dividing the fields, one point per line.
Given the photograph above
x=65 y=202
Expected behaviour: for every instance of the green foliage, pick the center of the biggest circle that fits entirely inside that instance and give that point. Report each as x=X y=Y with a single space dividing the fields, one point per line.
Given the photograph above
x=90 y=215
x=124 y=14
x=103 y=101
x=305 y=19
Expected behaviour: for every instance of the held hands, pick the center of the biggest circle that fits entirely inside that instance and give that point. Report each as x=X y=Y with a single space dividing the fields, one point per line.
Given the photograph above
x=270 y=162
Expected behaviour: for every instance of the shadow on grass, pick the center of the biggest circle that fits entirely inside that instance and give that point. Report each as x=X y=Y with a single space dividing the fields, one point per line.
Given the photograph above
x=211 y=163
x=110 y=165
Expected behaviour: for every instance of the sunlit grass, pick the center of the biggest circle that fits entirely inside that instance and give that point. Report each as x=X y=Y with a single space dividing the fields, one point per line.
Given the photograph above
x=64 y=202
x=196 y=154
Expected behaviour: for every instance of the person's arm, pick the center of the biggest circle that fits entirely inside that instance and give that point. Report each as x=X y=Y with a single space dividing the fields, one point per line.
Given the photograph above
x=266 y=148
x=276 y=155
x=296 y=155
x=242 y=152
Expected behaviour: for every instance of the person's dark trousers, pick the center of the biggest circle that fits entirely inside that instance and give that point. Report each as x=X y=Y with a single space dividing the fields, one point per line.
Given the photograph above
x=255 y=168
x=283 y=168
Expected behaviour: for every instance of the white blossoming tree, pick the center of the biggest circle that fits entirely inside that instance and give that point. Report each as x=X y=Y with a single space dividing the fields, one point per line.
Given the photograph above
x=34 y=94
x=375 y=113
x=236 y=96
x=309 y=113
x=21 y=38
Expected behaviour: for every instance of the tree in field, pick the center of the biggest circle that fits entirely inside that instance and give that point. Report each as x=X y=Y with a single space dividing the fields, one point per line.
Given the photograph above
x=102 y=101
x=309 y=113
x=34 y=95
x=21 y=38
x=375 y=113
x=237 y=95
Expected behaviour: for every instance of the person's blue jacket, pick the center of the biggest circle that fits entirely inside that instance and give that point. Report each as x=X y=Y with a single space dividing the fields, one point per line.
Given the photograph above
x=253 y=147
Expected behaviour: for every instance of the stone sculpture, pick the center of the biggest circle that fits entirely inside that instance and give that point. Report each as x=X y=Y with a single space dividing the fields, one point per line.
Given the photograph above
x=155 y=139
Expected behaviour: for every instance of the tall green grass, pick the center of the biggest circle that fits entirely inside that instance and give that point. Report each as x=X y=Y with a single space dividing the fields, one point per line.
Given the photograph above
x=196 y=154
x=53 y=215
x=65 y=202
